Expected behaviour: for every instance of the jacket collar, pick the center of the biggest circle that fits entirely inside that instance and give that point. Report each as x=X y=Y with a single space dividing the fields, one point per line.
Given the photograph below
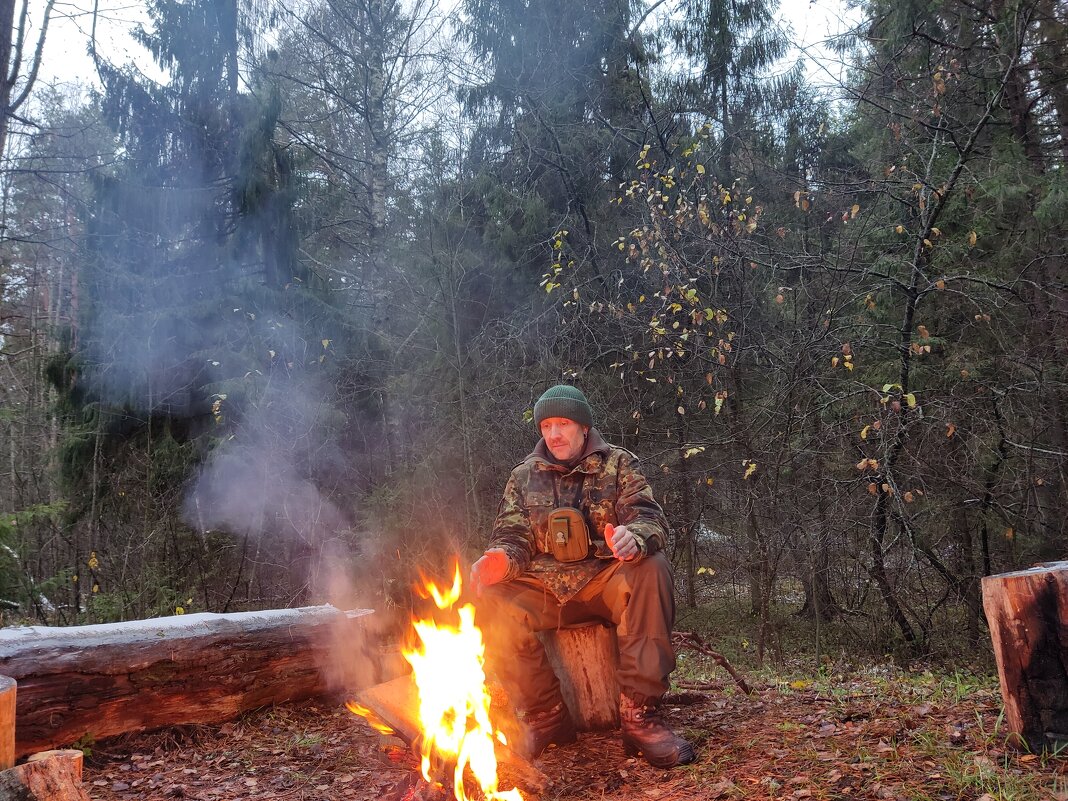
x=595 y=445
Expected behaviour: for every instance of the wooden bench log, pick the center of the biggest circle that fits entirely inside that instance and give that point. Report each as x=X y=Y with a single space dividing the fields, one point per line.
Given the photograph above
x=585 y=659
x=103 y=680
x=1027 y=611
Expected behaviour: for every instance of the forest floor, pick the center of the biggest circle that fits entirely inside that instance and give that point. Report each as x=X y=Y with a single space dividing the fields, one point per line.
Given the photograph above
x=876 y=733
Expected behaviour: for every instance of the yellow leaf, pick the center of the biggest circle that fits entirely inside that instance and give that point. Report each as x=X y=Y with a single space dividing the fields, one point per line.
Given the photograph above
x=750 y=469
x=709 y=481
x=849 y=365
x=801 y=684
x=700 y=169
x=911 y=400
x=864 y=432
x=855 y=210
x=179 y=610
x=971 y=238
x=326 y=343
x=900 y=229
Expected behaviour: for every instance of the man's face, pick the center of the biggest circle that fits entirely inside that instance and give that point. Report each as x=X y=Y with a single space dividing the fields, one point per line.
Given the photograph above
x=564 y=438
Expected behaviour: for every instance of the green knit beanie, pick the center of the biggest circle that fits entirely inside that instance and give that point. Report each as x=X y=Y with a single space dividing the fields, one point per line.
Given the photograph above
x=563 y=401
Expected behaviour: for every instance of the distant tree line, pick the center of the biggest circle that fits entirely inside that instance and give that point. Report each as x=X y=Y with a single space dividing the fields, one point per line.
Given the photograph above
x=272 y=327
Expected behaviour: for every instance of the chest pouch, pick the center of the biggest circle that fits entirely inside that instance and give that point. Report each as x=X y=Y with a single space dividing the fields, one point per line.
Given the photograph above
x=569 y=536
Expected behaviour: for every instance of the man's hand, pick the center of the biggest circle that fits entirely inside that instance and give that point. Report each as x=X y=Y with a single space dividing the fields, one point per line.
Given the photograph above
x=491 y=568
x=623 y=543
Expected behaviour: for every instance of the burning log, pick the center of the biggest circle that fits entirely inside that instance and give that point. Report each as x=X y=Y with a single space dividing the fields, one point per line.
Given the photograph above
x=396 y=704
x=109 y=679
x=47 y=776
x=1028 y=615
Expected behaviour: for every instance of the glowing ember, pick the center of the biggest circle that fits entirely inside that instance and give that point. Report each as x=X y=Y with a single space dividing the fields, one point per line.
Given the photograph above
x=454 y=717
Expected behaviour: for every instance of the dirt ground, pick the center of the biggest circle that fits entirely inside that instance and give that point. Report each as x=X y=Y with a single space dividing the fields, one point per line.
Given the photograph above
x=869 y=737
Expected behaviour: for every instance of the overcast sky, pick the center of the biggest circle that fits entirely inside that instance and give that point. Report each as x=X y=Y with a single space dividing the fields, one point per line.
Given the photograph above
x=66 y=47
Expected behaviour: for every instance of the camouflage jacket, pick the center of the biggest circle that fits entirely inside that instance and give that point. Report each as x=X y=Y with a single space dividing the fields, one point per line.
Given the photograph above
x=606 y=485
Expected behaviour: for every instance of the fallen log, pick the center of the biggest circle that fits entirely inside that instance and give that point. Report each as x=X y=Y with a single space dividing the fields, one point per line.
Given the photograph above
x=97 y=681
x=1027 y=611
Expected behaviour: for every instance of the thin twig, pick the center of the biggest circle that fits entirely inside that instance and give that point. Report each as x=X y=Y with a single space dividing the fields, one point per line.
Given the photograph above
x=686 y=639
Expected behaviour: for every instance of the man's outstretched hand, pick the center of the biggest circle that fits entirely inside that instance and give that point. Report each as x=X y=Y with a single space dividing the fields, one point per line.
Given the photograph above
x=491 y=568
x=623 y=543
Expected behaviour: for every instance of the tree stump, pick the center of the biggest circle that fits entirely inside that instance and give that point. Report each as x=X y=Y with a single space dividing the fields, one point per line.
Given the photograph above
x=585 y=659
x=47 y=776
x=7 y=722
x=1028 y=615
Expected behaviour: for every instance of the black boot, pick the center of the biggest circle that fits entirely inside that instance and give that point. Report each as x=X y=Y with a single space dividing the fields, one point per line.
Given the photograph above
x=544 y=728
x=644 y=731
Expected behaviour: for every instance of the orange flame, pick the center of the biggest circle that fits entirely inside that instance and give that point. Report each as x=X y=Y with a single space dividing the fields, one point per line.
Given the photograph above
x=454 y=705
x=372 y=719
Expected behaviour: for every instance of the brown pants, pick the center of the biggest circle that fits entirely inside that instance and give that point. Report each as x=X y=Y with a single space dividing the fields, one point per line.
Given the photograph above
x=636 y=597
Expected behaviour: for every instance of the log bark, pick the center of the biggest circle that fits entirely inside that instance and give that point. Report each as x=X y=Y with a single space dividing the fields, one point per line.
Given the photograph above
x=1028 y=615
x=585 y=659
x=103 y=680
x=48 y=776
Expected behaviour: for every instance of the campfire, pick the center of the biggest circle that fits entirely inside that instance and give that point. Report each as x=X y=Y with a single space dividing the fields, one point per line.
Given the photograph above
x=445 y=704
